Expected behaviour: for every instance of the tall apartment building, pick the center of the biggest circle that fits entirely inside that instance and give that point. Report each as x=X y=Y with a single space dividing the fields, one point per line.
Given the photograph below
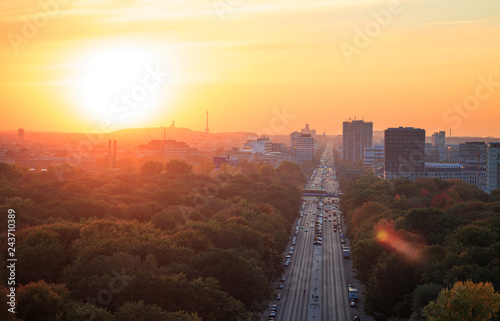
x=439 y=143
x=357 y=135
x=404 y=153
x=302 y=145
x=493 y=167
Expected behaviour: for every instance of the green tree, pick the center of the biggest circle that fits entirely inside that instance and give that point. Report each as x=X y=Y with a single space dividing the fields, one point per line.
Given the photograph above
x=237 y=275
x=151 y=168
x=466 y=301
x=88 y=312
x=41 y=256
x=178 y=167
x=138 y=311
x=422 y=295
x=42 y=302
x=267 y=171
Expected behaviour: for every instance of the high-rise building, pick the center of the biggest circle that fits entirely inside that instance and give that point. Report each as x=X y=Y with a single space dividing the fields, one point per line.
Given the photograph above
x=472 y=153
x=357 y=135
x=493 y=167
x=404 y=153
x=260 y=146
x=439 y=142
x=373 y=154
x=302 y=145
x=20 y=134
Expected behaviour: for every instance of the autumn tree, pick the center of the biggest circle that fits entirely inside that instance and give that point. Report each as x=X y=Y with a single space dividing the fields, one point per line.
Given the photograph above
x=466 y=301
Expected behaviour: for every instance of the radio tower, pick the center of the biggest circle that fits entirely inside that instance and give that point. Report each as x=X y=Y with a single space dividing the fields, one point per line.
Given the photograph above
x=206 y=129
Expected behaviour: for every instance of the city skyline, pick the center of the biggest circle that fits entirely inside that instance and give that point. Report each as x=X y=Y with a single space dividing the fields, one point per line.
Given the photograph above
x=79 y=66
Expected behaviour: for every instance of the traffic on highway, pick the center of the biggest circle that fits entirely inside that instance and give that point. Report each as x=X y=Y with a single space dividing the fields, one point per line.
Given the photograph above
x=318 y=284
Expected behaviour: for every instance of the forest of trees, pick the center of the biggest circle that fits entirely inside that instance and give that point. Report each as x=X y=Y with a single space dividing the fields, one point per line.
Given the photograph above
x=426 y=248
x=158 y=243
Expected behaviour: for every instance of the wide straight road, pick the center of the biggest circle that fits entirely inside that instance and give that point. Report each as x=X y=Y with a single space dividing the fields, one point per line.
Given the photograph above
x=317 y=279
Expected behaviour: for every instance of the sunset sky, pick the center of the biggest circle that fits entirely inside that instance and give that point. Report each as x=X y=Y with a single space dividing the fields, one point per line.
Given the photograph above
x=85 y=65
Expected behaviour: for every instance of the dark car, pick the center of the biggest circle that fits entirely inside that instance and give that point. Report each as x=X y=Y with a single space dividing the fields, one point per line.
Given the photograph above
x=356 y=318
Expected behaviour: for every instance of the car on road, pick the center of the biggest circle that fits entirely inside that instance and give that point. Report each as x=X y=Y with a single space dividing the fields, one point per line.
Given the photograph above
x=306 y=230
x=283 y=278
x=353 y=303
x=274 y=307
x=272 y=314
x=356 y=318
x=287 y=263
x=278 y=296
x=280 y=286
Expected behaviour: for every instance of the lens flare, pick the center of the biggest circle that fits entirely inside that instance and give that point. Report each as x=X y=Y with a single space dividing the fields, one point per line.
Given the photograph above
x=386 y=235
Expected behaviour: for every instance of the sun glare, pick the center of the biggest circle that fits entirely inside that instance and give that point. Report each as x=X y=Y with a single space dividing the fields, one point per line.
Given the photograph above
x=122 y=88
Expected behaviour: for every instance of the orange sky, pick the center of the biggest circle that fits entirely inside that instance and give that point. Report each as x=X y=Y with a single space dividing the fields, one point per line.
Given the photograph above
x=69 y=65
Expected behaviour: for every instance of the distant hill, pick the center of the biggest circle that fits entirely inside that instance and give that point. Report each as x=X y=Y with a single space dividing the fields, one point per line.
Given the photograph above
x=131 y=136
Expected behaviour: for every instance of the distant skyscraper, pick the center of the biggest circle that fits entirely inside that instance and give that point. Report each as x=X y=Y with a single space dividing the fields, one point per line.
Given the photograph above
x=20 y=134
x=357 y=135
x=404 y=153
x=302 y=145
x=439 y=141
x=493 y=167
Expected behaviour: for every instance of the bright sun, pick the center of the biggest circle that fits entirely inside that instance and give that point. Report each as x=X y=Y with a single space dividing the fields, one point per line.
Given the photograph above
x=121 y=88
